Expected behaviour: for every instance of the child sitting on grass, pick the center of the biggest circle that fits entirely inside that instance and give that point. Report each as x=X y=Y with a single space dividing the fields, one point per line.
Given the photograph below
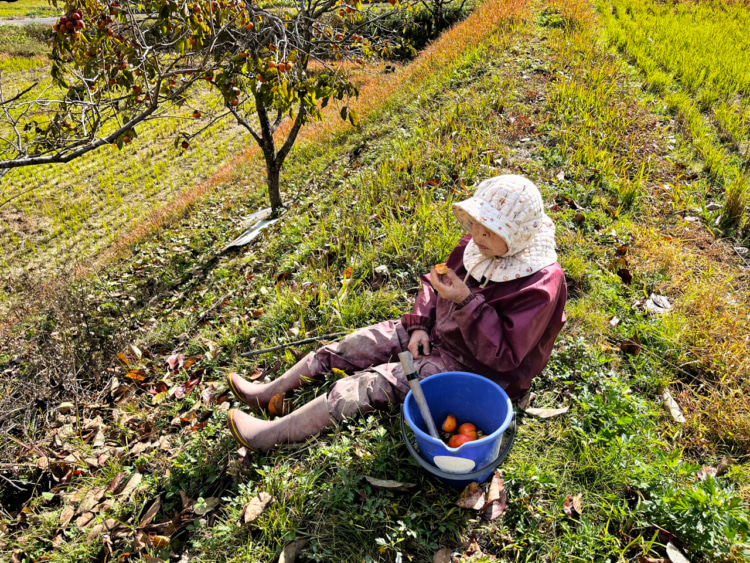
x=495 y=311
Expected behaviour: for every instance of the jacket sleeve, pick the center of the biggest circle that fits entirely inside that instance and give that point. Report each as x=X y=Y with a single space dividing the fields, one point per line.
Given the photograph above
x=422 y=316
x=503 y=339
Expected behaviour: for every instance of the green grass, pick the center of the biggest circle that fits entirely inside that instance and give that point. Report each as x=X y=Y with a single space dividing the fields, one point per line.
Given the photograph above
x=694 y=56
x=23 y=41
x=28 y=9
x=381 y=195
x=18 y=64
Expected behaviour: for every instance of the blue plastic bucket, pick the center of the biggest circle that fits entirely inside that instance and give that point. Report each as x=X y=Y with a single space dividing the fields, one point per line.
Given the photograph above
x=470 y=398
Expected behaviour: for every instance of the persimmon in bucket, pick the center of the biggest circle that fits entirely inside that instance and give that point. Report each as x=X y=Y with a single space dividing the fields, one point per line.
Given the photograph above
x=466 y=432
x=459 y=439
x=449 y=425
x=468 y=429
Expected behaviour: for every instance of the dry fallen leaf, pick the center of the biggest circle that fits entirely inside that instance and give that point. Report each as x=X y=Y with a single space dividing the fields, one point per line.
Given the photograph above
x=578 y=503
x=255 y=507
x=115 y=484
x=159 y=542
x=187 y=502
x=497 y=498
x=631 y=346
x=141 y=542
x=658 y=304
x=291 y=551
x=674 y=554
x=66 y=516
x=129 y=489
x=644 y=559
x=150 y=514
x=149 y=559
x=388 y=485
x=672 y=406
x=276 y=405
x=256 y=374
x=472 y=546
x=546 y=413
x=176 y=361
x=572 y=507
x=471 y=497
x=442 y=556
x=84 y=519
x=525 y=401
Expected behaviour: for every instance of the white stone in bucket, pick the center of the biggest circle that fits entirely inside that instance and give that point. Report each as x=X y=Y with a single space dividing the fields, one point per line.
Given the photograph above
x=453 y=464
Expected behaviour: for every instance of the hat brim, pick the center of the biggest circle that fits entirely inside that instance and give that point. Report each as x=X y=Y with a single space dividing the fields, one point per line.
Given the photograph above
x=474 y=210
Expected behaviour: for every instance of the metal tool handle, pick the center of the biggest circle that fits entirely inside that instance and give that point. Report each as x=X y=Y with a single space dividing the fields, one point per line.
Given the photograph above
x=407 y=362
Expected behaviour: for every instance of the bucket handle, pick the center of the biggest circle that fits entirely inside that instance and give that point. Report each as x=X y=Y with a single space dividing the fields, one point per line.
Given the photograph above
x=509 y=437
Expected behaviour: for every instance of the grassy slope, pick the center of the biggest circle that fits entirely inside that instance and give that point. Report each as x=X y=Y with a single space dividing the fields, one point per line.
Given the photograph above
x=541 y=98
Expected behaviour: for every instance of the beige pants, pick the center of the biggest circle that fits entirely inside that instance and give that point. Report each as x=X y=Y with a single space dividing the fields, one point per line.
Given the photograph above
x=371 y=355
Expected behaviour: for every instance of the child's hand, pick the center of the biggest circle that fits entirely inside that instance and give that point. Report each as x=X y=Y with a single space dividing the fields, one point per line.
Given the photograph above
x=449 y=286
x=419 y=344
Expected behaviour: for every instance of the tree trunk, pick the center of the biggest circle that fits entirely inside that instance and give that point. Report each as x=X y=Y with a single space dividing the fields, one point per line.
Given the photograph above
x=274 y=191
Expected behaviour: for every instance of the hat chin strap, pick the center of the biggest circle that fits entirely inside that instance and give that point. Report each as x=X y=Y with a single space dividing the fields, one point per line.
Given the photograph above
x=486 y=271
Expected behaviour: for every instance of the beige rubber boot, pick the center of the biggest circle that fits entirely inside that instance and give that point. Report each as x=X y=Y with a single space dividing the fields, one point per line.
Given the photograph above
x=295 y=427
x=258 y=395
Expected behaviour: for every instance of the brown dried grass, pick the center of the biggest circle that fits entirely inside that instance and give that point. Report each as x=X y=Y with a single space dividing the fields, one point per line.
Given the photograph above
x=707 y=334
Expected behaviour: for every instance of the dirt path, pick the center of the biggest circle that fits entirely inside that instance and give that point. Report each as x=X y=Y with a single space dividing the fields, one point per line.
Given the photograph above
x=29 y=21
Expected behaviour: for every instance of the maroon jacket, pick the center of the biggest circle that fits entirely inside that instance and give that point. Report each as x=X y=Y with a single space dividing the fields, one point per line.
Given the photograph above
x=504 y=331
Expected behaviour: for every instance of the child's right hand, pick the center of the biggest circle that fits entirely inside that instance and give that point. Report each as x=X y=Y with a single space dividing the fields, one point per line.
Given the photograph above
x=419 y=338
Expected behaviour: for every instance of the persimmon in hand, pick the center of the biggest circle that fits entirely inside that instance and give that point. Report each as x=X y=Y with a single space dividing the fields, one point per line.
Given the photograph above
x=441 y=269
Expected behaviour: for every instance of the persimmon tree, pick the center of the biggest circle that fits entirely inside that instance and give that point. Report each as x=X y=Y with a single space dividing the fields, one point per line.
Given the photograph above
x=117 y=65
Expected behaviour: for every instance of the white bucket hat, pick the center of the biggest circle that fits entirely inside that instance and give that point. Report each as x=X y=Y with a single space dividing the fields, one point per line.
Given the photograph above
x=512 y=207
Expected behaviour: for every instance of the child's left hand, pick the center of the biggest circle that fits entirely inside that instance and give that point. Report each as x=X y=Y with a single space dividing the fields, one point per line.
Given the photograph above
x=449 y=286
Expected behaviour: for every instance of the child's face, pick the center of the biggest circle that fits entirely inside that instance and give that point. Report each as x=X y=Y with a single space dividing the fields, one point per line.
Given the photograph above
x=490 y=244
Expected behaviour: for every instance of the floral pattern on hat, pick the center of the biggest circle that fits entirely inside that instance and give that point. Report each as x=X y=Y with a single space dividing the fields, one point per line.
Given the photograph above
x=512 y=207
